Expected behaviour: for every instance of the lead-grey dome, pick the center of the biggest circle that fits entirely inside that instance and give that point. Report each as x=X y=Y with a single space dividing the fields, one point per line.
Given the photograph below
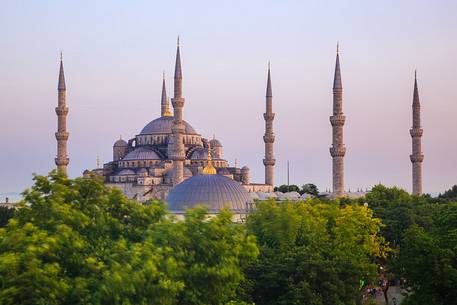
x=141 y=153
x=215 y=143
x=120 y=143
x=163 y=125
x=214 y=191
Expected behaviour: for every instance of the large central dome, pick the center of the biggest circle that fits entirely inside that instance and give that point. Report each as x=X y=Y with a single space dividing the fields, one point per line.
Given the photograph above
x=214 y=191
x=163 y=125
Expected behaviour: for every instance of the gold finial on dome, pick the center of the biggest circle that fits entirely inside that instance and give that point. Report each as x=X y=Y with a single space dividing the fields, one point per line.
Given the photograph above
x=209 y=168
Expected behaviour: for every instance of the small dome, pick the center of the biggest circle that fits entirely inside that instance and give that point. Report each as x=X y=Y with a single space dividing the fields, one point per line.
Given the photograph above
x=266 y=196
x=199 y=154
x=215 y=143
x=126 y=172
x=163 y=125
x=292 y=195
x=244 y=168
x=306 y=196
x=120 y=143
x=141 y=153
x=214 y=191
x=142 y=171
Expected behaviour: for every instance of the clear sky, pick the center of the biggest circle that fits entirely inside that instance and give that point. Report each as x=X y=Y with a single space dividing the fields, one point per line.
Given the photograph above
x=115 y=52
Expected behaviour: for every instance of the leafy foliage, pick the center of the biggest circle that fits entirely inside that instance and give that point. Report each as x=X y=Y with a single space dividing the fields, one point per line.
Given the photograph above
x=5 y=215
x=309 y=188
x=428 y=258
x=287 y=188
x=450 y=194
x=79 y=242
x=312 y=253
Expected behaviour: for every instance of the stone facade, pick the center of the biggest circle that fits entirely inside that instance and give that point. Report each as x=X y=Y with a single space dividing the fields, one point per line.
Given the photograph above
x=338 y=150
x=269 y=138
x=417 y=157
x=62 y=159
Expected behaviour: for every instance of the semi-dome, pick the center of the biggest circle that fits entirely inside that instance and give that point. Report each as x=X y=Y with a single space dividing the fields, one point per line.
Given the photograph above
x=163 y=125
x=214 y=191
x=200 y=153
x=126 y=172
x=141 y=153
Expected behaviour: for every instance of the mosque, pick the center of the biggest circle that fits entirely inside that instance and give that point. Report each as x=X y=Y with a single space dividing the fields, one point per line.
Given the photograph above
x=171 y=161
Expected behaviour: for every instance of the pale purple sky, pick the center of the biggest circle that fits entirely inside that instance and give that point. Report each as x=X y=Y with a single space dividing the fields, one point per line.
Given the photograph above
x=114 y=54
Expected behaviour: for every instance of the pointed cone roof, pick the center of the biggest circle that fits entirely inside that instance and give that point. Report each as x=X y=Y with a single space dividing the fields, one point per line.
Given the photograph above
x=337 y=84
x=416 y=91
x=61 y=85
x=269 y=91
x=178 y=72
x=164 y=100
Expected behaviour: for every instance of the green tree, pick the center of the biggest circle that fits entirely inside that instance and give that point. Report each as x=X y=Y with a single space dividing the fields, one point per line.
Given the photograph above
x=309 y=188
x=5 y=215
x=287 y=188
x=450 y=194
x=428 y=259
x=312 y=253
x=79 y=242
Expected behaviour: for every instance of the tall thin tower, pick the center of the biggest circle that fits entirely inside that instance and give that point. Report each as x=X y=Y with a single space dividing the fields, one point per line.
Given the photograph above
x=61 y=134
x=269 y=138
x=164 y=103
x=338 y=150
x=416 y=134
x=177 y=152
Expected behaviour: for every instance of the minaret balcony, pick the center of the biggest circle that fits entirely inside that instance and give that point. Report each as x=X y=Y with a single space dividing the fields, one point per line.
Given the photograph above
x=61 y=135
x=269 y=138
x=62 y=161
x=337 y=151
x=416 y=132
x=269 y=116
x=269 y=162
x=62 y=110
x=177 y=102
x=416 y=158
x=337 y=120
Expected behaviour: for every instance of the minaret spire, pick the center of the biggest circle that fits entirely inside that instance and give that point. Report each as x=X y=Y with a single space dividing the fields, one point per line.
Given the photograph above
x=61 y=135
x=164 y=103
x=177 y=149
x=338 y=150
x=269 y=138
x=417 y=157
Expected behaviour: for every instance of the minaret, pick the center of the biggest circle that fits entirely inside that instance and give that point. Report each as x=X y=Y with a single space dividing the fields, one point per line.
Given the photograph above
x=269 y=138
x=337 y=151
x=177 y=152
x=164 y=103
x=61 y=134
x=416 y=134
